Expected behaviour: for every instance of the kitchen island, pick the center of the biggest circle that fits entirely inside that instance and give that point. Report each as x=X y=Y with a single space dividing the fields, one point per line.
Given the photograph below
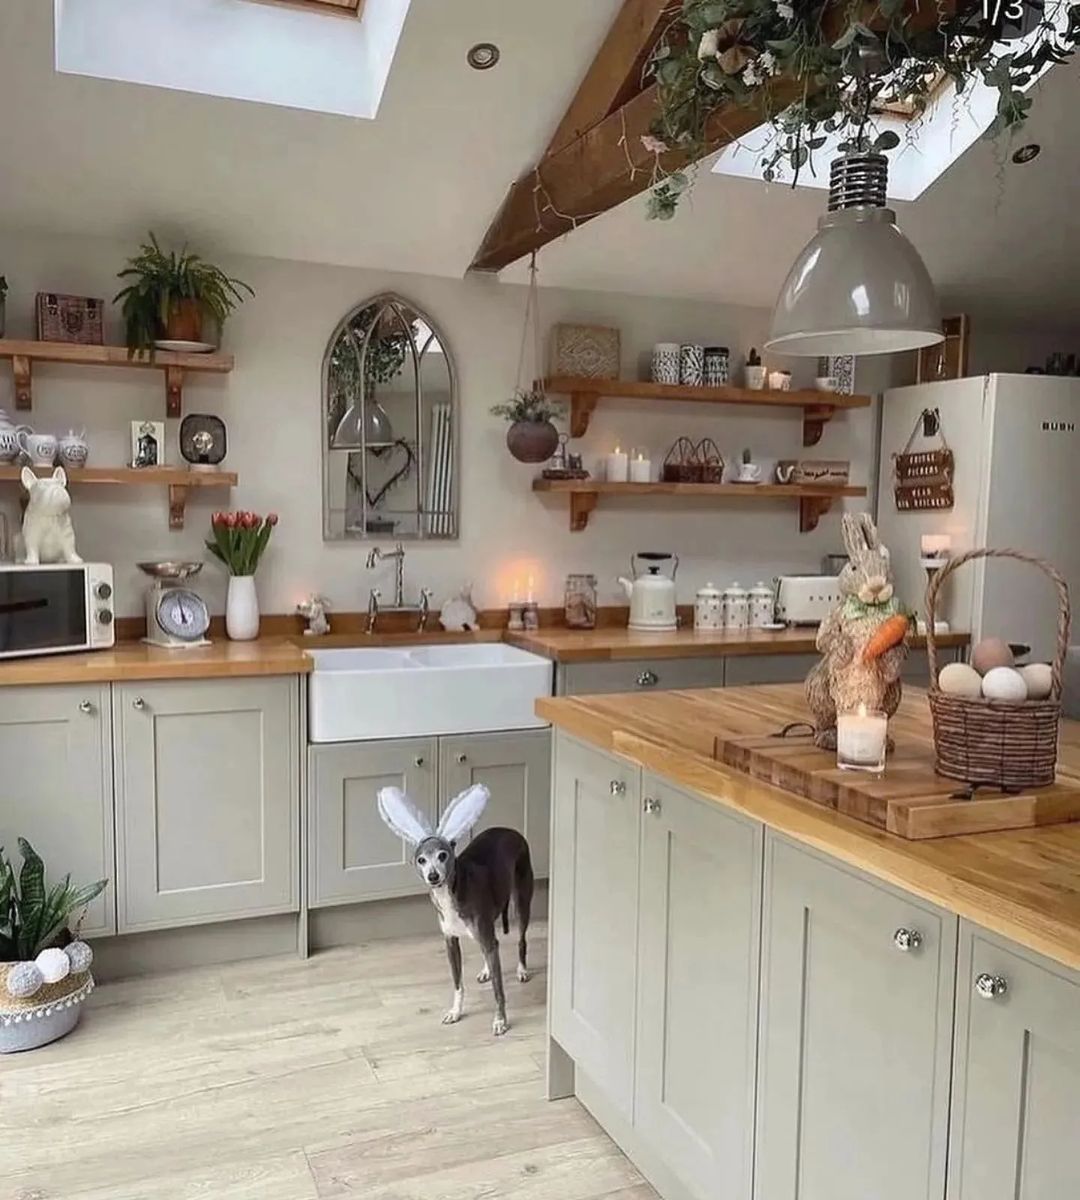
x=759 y=997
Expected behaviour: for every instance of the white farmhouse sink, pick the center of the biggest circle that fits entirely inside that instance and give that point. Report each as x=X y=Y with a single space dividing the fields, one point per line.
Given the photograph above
x=357 y=695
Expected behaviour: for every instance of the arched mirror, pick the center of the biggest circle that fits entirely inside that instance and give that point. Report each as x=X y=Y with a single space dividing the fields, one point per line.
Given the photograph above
x=389 y=426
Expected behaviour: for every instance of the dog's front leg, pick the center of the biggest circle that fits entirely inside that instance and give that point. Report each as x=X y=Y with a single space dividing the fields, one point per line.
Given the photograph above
x=490 y=946
x=453 y=953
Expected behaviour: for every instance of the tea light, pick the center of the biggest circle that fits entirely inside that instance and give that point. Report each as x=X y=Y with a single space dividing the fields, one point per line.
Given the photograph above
x=861 y=740
x=640 y=468
x=618 y=462
x=935 y=545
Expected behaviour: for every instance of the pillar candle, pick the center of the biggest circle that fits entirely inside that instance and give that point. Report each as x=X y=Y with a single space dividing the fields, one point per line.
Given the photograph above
x=617 y=466
x=640 y=468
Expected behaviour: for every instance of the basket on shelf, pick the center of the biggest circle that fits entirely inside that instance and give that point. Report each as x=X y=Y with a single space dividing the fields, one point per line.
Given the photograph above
x=681 y=463
x=1010 y=746
x=710 y=462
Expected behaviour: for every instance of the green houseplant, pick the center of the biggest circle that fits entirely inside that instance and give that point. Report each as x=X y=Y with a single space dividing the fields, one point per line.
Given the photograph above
x=169 y=295
x=44 y=968
x=531 y=437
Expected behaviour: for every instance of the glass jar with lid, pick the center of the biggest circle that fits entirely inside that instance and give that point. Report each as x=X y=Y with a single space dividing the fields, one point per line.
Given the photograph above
x=580 y=602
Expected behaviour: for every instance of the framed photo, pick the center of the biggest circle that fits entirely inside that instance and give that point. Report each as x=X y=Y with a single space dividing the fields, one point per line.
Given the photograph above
x=147 y=443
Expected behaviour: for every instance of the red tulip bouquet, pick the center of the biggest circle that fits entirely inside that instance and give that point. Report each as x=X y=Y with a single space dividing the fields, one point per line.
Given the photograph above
x=239 y=539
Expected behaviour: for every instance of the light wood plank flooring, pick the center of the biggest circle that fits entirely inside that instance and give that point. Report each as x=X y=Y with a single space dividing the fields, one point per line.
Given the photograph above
x=287 y=1080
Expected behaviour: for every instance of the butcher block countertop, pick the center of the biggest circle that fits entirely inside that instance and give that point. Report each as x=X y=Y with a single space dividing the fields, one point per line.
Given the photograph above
x=1022 y=884
x=608 y=644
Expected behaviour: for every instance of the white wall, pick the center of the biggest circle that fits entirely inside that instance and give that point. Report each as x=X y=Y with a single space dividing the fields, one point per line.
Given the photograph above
x=271 y=405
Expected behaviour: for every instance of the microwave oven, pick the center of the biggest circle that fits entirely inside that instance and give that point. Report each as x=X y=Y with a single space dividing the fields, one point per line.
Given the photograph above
x=55 y=608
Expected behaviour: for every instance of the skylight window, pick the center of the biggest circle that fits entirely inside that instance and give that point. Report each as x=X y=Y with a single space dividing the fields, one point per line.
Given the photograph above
x=283 y=52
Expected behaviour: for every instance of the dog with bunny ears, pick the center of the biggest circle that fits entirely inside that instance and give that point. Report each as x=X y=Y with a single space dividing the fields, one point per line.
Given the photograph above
x=472 y=891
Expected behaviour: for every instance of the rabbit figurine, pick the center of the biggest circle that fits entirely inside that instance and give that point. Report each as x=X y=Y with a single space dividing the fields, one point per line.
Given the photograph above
x=47 y=532
x=844 y=678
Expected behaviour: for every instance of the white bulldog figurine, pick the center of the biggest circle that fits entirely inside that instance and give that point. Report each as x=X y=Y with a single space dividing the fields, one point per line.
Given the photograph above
x=47 y=532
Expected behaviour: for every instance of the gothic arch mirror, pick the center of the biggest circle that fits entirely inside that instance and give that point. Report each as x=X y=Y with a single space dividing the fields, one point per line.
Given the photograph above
x=390 y=426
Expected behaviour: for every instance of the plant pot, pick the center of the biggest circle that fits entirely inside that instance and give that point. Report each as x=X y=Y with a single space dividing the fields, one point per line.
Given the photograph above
x=51 y=1013
x=532 y=441
x=242 y=609
x=185 y=321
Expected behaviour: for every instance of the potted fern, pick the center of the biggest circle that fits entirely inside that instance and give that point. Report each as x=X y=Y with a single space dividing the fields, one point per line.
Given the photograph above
x=171 y=295
x=531 y=437
x=44 y=968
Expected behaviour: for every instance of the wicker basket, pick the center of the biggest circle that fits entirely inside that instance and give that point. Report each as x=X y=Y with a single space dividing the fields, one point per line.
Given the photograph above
x=1009 y=746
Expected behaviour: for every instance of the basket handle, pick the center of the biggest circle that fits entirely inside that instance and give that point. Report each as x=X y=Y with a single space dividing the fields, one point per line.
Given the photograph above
x=1064 y=610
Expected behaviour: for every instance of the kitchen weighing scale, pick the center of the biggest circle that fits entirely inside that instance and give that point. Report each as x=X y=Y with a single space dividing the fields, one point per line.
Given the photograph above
x=176 y=617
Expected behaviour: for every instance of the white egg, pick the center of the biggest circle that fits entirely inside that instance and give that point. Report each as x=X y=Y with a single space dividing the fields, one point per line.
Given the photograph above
x=958 y=679
x=53 y=965
x=1005 y=684
x=1039 y=680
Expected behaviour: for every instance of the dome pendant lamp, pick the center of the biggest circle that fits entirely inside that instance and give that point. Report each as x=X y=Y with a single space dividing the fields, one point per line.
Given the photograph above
x=859 y=286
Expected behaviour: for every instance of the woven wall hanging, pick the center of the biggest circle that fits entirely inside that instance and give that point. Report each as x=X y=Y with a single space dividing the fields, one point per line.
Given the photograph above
x=924 y=478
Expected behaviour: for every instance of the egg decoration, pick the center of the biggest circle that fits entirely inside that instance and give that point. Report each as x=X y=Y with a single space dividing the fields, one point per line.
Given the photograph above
x=53 y=964
x=958 y=679
x=23 y=980
x=1039 y=679
x=80 y=956
x=1004 y=684
x=991 y=652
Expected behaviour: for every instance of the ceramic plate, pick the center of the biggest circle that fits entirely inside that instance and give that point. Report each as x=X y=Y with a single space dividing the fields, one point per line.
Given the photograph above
x=185 y=347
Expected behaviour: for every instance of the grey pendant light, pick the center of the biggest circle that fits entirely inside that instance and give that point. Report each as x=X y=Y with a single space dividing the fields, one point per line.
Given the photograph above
x=859 y=286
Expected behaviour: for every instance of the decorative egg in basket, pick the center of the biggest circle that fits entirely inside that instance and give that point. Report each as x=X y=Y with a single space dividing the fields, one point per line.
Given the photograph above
x=958 y=679
x=1005 y=684
x=991 y=652
x=1039 y=679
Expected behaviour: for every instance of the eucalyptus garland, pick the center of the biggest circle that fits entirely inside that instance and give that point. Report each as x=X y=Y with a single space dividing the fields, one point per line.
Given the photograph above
x=849 y=59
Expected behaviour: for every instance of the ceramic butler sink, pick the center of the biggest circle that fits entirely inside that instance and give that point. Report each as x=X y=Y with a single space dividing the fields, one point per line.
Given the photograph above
x=357 y=695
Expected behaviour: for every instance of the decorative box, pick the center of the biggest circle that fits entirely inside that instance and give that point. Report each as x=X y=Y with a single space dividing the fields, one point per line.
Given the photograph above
x=823 y=472
x=585 y=351
x=78 y=319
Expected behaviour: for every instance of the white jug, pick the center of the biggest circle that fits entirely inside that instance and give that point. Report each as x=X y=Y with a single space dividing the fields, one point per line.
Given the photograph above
x=651 y=594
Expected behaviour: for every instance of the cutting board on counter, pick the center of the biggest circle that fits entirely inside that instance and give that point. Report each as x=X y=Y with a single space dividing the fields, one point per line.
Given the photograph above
x=910 y=799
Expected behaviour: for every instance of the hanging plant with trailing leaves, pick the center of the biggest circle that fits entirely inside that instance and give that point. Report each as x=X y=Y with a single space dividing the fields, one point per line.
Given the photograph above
x=816 y=69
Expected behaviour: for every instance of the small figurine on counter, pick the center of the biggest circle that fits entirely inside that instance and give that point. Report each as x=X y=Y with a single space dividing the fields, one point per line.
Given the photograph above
x=458 y=613
x=863 y=641
x=47 y=533
x=315 y=609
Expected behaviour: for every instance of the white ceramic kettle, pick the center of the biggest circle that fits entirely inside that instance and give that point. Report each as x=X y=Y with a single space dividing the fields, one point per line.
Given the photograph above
x=650 y=592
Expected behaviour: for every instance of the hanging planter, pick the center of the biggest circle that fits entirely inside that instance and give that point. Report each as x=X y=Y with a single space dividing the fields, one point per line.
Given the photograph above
x=529 y=439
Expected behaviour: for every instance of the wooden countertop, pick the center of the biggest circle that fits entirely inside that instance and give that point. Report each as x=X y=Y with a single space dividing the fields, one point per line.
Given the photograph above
x=604 y=645
x=1023 y=884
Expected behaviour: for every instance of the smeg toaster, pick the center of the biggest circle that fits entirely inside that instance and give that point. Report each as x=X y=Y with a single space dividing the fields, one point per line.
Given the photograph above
x=806 y=599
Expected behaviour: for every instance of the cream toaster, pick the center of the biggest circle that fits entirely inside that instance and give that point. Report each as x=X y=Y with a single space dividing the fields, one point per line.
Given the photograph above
x=806 y=599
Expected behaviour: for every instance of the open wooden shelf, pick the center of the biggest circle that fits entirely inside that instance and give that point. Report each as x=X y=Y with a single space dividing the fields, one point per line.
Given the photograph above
x=585 y=394
x=179 y=481
x=23 y=355
x=585 y=494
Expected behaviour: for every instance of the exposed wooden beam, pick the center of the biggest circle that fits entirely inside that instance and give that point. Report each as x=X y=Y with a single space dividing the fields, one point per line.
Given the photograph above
x=615 y=73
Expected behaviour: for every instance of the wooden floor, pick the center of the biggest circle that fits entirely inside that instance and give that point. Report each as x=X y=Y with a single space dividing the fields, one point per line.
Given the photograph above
x=287 y=1080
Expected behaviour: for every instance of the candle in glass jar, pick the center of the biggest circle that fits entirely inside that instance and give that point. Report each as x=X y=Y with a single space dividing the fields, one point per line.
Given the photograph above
x=640 y=468
x=861 y=738
x=935 y=545
x=617 y=465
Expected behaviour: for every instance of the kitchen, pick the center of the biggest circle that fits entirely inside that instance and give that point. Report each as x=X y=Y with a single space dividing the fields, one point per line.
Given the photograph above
x=287 y=912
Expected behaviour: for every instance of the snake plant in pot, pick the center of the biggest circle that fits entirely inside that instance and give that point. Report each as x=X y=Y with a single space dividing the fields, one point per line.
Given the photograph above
x=44 y=967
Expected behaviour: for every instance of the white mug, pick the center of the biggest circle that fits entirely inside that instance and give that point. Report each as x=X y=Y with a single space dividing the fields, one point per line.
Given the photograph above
x=39 y=448
x=780 y=381
x=749 y=472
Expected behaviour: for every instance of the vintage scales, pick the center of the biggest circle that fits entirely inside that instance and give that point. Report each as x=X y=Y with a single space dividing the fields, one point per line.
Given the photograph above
x=176 y=616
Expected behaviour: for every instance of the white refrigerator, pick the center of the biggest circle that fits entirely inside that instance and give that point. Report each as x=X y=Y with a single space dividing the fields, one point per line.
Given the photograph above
x=1016 y=442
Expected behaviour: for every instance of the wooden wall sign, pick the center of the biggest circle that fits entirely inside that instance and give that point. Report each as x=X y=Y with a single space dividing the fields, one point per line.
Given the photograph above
x=924 y=478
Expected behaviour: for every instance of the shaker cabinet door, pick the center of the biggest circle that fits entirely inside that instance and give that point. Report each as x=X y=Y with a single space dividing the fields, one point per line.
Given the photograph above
x=353 y=855
x=207 y=800
x=857 y=995
x=1016 y=1094
x=516 y=768
x=700 y=927
x=55 y=747
x=594 y=915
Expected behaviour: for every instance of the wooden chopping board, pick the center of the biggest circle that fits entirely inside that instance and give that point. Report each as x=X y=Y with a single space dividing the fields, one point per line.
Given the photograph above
x=910 y=799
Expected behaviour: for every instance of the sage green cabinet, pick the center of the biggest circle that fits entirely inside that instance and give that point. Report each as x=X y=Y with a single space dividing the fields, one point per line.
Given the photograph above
x=856 y=1015
x=352 y=854
x=638 y=675
x=699 y=920
x=594 y=900
x=55 y=744
x=1016 y=1093
x=207 y=800
x=516 y=768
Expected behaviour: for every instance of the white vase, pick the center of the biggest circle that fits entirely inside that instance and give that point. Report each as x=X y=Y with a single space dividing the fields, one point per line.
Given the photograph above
x=242 y=609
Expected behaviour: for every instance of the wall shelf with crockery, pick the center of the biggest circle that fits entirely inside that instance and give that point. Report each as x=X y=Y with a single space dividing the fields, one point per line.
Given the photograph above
x=817 y=407
x=814 y=501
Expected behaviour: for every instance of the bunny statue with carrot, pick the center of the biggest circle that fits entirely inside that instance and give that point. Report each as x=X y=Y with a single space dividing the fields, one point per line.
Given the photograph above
x=863 y=642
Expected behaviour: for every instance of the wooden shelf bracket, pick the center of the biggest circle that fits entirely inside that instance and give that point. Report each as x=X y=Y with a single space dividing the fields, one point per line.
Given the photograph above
x=815 y=418
x=174 y=393
x=581 y=506
x=582 y=407
x=21 y=368
x=178 y=495
x=811 y=510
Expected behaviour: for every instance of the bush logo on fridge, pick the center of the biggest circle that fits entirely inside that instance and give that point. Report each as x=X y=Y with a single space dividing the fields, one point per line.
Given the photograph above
x=1059 y=426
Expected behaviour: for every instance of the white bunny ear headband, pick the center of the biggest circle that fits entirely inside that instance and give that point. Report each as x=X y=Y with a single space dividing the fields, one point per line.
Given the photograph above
x=461 y=814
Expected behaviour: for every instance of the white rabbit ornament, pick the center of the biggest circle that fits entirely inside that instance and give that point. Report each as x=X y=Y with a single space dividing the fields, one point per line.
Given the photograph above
x=47 y=533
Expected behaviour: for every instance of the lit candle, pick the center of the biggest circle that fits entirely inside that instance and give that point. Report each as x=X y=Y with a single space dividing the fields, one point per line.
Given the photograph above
x=617 y=465
x=529 y=591
x=640 y=468
x=861 y=739
x=935 y=545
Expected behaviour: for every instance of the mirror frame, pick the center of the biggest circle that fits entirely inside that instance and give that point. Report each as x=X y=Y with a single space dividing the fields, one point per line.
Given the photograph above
x=330 y=535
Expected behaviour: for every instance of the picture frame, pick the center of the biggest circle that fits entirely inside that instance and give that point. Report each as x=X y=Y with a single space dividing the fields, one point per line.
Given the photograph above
x=147 y=444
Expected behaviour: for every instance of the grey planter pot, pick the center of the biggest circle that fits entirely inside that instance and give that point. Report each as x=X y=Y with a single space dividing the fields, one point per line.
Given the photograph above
x=532 y=441
x=29 y=1028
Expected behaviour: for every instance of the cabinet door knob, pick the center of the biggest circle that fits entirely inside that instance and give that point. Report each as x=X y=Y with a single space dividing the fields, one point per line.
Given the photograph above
x=991 y=987
x=85 y=706
x=652 y=805
x=138 y=703
x=648 y=679
x=617 y=788
x=461 y=756
x=418 y=761
x=907 y=940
